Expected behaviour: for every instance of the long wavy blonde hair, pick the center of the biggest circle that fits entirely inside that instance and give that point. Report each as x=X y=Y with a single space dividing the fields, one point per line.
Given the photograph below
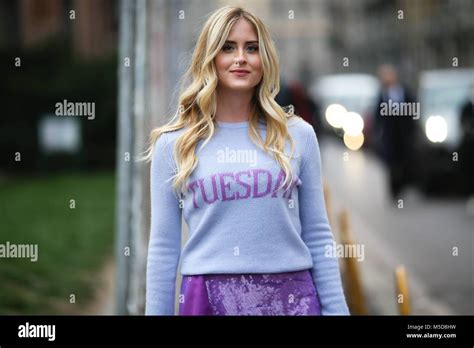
x=197 y=103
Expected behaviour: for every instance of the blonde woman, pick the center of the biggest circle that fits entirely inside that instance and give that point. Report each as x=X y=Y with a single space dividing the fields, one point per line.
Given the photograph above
x=246 y=177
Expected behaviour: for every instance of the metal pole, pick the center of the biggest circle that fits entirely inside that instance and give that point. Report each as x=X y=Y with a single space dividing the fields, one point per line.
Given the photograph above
x=124 y=150
x=136 y=300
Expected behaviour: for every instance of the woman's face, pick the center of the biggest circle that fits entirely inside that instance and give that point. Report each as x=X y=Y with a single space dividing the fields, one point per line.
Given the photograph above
x=240 y=47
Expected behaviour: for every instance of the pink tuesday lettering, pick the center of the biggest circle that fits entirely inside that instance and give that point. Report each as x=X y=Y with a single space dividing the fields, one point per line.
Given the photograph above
x=247 y=184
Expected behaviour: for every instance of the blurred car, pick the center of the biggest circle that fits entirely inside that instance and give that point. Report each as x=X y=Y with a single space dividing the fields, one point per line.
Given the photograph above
x=352 y=95
x=441 y=95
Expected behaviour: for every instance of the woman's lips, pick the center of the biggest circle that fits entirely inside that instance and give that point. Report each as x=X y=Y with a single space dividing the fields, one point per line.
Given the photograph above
x=240 y=72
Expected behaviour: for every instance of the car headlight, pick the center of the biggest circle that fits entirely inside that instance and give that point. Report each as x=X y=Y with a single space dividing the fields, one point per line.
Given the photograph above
x=436 y=129
x=353 y=124
x=335 y=115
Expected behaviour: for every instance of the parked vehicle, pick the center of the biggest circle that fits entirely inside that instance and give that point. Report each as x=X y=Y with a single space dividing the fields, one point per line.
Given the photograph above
x=441 y=95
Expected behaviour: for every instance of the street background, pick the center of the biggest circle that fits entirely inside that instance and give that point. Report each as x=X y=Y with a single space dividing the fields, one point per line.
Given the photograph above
x=70 y=185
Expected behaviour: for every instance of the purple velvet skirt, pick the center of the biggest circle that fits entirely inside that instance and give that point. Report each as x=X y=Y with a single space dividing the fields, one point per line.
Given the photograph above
x=289 y=293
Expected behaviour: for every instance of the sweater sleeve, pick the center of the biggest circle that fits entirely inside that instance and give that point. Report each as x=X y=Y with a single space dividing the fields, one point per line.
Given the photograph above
x=164 y=247
x=316 y=232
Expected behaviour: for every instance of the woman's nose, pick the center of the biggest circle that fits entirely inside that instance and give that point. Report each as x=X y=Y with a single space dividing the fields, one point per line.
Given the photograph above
x=240 y=56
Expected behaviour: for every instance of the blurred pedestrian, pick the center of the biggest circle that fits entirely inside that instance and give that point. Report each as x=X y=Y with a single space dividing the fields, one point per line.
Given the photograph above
x=395 y=131
x=295 y=94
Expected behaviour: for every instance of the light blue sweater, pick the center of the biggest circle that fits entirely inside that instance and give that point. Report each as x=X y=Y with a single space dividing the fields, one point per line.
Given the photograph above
x=238 y=222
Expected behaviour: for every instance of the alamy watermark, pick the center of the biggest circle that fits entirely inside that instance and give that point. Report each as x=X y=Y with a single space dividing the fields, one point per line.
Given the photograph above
x=392 y=108
x=66 y=108
x=237 y=156
x=345 y=251
x=23 y=251
x=28 y=330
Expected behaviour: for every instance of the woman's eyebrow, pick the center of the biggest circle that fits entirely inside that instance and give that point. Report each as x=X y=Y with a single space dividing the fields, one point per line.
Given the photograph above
x=247 y=42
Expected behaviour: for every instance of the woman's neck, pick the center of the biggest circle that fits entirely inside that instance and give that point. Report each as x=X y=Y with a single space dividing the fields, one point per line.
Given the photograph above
x=233 y=106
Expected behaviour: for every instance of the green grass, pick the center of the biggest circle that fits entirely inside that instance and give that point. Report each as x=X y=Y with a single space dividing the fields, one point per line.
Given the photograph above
x=72 y=243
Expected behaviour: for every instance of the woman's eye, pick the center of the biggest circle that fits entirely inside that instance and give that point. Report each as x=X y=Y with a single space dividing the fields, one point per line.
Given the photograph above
x=227 y=48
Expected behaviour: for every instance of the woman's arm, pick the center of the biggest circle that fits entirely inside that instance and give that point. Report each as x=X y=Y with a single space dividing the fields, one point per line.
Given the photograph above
x=165 y=236
x=316 y=232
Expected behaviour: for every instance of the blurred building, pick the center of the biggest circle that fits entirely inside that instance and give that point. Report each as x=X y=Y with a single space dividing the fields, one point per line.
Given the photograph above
x=91 y=25
x=415 y=35
x=300 y=30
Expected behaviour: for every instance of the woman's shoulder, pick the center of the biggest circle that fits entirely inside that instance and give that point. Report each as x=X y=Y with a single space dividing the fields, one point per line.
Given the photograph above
x=164 y=144
x=297 y=126
x=168 y=137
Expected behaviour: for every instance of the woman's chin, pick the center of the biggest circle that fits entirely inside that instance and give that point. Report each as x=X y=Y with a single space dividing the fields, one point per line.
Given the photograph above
x=240 y=87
